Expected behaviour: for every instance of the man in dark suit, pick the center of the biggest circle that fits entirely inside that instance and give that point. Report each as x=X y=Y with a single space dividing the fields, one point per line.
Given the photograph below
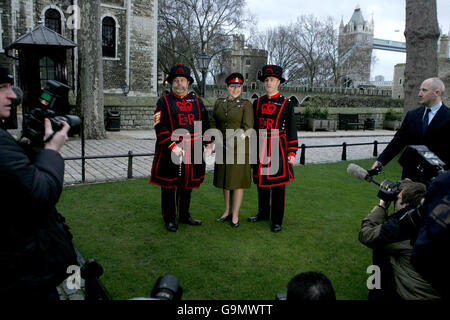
x=427 y=125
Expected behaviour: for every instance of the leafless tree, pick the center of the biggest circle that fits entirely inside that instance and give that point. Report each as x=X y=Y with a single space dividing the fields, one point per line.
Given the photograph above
x=277 y=42
x=90 y=70
x=189 y=27
x=310 y=43
x=422 y=34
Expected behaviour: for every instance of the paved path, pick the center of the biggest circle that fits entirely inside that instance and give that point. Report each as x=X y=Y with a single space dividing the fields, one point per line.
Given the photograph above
x=121 y=142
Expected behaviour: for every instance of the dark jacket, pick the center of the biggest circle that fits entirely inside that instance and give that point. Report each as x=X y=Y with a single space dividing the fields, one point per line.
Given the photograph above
x=35 y=246
x=431 y=250
x=173 y=112
x=274 y=113
x=380 y=232
x=410 y=133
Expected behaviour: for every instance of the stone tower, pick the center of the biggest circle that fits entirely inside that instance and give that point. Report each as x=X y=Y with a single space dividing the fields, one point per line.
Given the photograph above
x=129 y=38
x=245 y=60
x=355 y=49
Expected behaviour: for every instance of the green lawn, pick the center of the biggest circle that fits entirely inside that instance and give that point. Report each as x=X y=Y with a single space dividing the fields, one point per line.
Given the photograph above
x=120 y=225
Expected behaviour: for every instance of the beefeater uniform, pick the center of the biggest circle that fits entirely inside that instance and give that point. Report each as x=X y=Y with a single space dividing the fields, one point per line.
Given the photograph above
x=175 y=112
x=275 y=124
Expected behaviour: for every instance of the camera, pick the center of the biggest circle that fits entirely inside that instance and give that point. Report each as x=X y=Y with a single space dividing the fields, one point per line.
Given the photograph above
x=389 y=190
x=421 y=164
x=167 y=287
x=33 y=122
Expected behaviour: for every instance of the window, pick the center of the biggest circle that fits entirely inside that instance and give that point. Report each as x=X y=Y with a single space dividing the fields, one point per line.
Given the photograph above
x=46 y=70
x=400 y=81
x=248 y=62
x=53 y=20
x=109 y=37
x=246 y=76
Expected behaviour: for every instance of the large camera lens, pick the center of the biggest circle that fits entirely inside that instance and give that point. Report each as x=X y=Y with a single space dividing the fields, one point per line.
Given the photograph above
x=167 y=288
x=73 y=121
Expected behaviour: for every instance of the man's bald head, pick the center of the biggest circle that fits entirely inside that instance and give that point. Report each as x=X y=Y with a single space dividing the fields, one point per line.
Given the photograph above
x=431 y=91
x=436 y=84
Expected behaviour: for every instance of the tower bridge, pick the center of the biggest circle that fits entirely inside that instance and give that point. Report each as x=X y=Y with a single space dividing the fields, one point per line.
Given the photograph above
x=389 y=45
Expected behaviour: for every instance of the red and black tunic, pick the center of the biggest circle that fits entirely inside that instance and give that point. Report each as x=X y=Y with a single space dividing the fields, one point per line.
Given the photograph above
x=174 y=112
x=274 y=121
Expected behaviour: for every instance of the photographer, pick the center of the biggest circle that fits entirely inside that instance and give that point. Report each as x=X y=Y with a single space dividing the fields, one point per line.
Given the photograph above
x=430 y=252
x=392 y=249
x=35 y=245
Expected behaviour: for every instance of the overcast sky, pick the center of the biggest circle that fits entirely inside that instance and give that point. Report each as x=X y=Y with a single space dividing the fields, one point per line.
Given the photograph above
x=388 y=16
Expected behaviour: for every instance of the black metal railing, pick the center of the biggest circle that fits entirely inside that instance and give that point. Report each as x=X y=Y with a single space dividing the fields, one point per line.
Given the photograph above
x=344 y=146
x=130 y=155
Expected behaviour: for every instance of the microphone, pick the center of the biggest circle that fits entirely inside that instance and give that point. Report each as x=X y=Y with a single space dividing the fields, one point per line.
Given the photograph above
x=360 y=173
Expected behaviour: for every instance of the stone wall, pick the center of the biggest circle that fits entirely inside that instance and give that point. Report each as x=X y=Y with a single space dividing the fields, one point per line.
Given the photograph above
x=136 y=113
x=134 y=117
x=135 y=60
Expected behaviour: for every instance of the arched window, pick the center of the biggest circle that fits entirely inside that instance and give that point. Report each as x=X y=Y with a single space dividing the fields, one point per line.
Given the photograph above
x=109 y=37
x=47 y=70
x=53 y=20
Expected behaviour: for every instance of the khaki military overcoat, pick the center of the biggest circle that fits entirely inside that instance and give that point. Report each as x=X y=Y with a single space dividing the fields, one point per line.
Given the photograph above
x=234 y=114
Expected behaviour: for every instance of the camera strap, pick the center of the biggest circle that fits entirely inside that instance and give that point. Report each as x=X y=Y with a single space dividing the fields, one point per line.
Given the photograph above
x=49 y=138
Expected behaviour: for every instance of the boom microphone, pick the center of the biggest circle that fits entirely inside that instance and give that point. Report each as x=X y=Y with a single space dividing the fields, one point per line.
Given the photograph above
x=360 y=173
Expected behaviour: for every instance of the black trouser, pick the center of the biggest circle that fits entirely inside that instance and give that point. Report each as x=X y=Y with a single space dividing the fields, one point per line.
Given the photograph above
x=173 y=199
x=276 y=210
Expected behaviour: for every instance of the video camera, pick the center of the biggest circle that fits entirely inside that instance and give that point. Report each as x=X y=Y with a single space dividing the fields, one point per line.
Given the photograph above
x=420 y=165
x=388 y=191
x=419 y=162
x=33 y=122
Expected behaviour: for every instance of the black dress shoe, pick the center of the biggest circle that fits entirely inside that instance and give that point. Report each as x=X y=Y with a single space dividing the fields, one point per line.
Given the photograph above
x=234 y=225
x=275 y=228
x=256 y=219
x=171 y=226
x=223 y=219
x=191 y=222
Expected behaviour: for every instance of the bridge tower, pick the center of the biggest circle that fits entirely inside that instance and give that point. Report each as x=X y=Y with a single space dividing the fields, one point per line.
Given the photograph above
x=355 y=49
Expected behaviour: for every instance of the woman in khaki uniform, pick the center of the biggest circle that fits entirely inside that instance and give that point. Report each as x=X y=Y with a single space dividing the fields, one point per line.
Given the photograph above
x=233 y=175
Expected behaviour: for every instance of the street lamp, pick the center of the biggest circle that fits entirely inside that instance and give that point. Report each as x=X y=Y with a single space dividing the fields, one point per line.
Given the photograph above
x=203 y=62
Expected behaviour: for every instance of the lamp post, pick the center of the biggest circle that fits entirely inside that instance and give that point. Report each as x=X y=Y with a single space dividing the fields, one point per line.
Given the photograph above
x=203 y=62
